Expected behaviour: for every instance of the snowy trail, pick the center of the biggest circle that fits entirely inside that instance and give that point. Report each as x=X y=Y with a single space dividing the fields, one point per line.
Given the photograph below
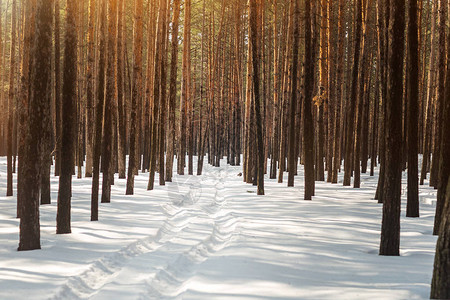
x=211 y=237
x=197 y=226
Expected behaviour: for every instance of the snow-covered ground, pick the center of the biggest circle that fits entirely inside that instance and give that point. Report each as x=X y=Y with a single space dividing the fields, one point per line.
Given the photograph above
x=211 y=237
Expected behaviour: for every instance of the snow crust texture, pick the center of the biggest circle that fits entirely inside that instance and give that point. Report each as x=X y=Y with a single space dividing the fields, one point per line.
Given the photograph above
x=212 y=237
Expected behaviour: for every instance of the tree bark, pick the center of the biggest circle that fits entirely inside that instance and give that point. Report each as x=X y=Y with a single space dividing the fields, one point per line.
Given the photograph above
x=412 y=208
x=253 y=17
x=308 y=126
x=440 y=284
x=39 y=104
x=12 y=67
x=110 y=99
x=100 y=98
x=136 y=95
x=173 y=91
x=390 y=228
x=69 y=108
x=350 y=126
x=292 y=159
x=90 y=92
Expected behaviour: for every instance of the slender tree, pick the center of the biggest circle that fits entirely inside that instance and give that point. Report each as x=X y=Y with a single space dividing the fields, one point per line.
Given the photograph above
x=121 y=99
x=38 y=112
x=90 y=91
x=68 y=117
x=172 y=91
x=434 y=174
x=12 y=74
x=159 y=61
x=444 y=160
x=339 y=78
x=162 y=99
x=185 y=88
x=135 y=96
x=253 y=17
x=308 y=126
x=440 y=284
x=349 y=136
x=412 y=208
x=110 y=98
x=292 y=159
x=100 y=96
x=390 y=228
x=57 y=89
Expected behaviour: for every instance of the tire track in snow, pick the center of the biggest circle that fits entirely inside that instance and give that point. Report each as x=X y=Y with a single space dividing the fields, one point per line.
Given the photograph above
x=103 y=270
x=172 y=280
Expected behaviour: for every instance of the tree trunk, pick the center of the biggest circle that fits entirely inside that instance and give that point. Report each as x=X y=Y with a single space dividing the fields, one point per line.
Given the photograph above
x=173 y=91
x=292 y=158
x=412 y=208
x=110 y=98
x=162 y=100
x=253 y=17
x=157 y=90
x=434 y=174
x=12 y=73
x=444 y=165
x=39 y=113
x=429 y=97
x=185 y=91
x=136 y=95
x=99 y=111
x=349 y=136
x=440 y=284
x=390 y=228
x=339 y=93
x=57 y=90
x=90 y=92
x=23 y=117
x=308 y=126
x=68 y=116
x=121 y=98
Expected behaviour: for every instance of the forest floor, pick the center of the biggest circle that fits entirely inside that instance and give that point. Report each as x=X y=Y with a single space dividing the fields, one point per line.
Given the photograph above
x=211 y=237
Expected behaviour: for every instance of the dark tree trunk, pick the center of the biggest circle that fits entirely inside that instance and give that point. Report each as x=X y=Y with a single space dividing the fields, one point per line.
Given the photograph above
x=12 y=74
x=24 y=99
x=185 y=91
x=39 y=113
x=440 y=284
x=68 y=116
x=90 y=91
x=121 y=94
x=135 y=96
x=383 y=23
x=173 y=91
x=157 y=91
x=47 y=131
x=292 y=157
x=412 y=208
x=350 y=126
x=162 y=100
x=308 y=126
x=339 y=76
x=253 y=17
x=360 y=100
x=99 y=112
x=444 y=163
x=434 y=174
x=57 y=91
x=110 y=98
x=390 y=228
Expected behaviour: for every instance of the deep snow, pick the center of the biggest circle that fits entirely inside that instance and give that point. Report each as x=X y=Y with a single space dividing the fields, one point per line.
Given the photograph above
x=211 y=237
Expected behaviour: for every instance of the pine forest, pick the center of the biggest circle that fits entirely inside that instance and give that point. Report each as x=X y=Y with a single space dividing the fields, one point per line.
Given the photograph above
x=225 y=149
